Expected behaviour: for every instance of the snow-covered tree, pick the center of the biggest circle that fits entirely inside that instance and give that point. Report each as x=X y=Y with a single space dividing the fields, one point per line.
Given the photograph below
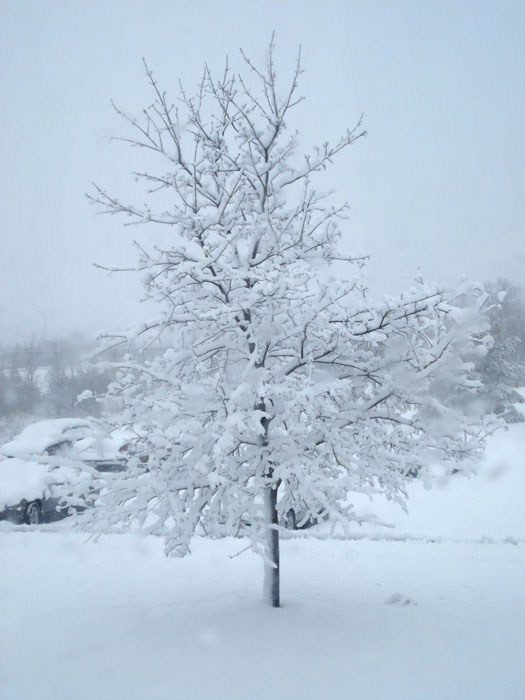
x=281 y=388
x=502 y=369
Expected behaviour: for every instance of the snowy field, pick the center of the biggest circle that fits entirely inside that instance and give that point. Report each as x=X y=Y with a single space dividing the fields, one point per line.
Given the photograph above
x=433 y=609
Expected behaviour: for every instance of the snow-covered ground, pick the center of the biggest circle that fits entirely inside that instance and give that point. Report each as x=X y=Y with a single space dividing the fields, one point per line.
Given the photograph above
x=436 y=614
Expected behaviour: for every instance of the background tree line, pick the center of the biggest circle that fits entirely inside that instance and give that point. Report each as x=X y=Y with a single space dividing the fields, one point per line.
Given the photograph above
x=502 y=370
x=43 y=378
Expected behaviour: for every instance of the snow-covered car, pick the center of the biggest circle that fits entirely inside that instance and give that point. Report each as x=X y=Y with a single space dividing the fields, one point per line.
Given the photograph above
x=30 y=492
x=45 y=462
x=300 y=519
x=295 y=514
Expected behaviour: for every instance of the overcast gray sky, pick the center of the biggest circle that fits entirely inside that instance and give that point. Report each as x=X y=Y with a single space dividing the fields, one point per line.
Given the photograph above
x=438 y=183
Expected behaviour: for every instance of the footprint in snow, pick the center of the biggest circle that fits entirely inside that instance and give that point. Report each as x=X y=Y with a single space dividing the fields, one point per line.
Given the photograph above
x=400 y=600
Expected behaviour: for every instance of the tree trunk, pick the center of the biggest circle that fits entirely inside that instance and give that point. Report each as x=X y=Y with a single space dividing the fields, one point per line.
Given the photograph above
x=271 y=592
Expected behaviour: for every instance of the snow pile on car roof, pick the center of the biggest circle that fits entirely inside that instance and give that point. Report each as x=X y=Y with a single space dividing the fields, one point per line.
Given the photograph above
x=37 y=437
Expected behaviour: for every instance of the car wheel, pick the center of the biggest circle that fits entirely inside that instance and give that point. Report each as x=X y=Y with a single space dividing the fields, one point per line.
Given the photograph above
x=290 y=522
x=33 y=515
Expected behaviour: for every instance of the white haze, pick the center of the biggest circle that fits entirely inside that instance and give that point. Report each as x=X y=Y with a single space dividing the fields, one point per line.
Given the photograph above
x=438 y=184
